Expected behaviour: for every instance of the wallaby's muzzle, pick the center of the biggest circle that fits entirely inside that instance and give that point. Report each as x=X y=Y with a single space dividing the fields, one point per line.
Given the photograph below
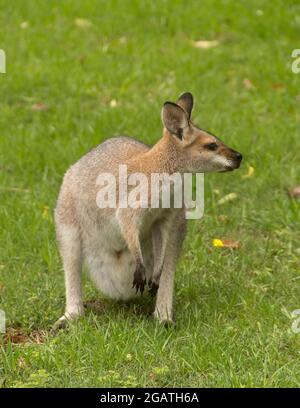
x=236 y=159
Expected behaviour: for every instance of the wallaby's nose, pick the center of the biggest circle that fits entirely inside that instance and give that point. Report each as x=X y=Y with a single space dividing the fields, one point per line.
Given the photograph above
x=238 y=156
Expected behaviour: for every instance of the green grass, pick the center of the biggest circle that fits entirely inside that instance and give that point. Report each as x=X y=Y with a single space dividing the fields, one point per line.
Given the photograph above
x=232 y=307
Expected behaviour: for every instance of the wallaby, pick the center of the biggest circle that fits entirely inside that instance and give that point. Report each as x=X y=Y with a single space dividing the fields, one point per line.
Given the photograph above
x=127 y=250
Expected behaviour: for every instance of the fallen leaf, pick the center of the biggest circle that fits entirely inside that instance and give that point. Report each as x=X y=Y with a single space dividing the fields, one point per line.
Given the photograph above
x=223 y=218
x=160 y=370
x=259 y=13
x=113 y=103
x=123 y=40
x=278 y=86
x=217 y=242
x=128 y=357
x=40 y=106
x=24 y=25
x=205 y=44
x=249 y=173
x=15 y=189
x=248 y=84
x=294 y=192
x=45 y=212
x=82 y=23
x=21 y=363
x=226 y=243
x=18 y=336
x=229 y=197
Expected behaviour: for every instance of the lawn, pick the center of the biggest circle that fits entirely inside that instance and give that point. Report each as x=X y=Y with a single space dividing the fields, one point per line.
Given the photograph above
x=79 y=72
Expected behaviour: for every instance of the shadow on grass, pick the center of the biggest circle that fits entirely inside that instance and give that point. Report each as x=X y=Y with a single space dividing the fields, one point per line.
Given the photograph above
x=143 y=306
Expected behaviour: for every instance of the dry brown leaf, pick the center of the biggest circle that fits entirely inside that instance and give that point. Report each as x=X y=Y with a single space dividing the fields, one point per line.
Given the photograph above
x=278 y=86
x=205 y=44
x=248 y=84
x=223 y=218
x=295 y=192
x=228 y=243
x=18 y=336
x=40 y=106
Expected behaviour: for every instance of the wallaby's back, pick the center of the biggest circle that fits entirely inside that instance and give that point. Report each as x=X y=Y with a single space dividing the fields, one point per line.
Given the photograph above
x=80 y=179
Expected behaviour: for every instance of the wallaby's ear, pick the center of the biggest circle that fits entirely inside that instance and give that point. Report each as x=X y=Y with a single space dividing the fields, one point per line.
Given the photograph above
x=186 y=102
x=174 y=118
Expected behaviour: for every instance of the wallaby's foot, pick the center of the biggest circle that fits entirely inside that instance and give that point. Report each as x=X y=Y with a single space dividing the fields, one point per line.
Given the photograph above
x=167 y=323
x=165 y=319
x=61 y=324
x=64 y=321
x=139 y=279
x=153 y=287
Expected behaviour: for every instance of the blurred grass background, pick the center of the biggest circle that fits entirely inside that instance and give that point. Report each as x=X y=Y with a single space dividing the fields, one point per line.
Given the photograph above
x=79 y=72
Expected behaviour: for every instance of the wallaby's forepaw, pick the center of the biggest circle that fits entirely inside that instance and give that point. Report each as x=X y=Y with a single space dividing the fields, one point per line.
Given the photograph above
x=139 y=279
x=153 y=287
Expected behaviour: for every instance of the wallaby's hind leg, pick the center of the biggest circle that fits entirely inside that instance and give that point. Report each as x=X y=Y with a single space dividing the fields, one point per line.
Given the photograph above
x=164 y=299
x=71 y=254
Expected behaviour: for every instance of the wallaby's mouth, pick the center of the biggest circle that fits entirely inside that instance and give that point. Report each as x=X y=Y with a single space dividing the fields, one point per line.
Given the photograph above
x=227 y=168
x=234 y=166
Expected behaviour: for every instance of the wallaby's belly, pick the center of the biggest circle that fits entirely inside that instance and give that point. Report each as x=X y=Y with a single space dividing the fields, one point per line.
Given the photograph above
x=110 y=264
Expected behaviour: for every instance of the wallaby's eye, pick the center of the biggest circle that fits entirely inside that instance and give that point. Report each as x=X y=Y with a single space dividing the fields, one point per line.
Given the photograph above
x=211 y=146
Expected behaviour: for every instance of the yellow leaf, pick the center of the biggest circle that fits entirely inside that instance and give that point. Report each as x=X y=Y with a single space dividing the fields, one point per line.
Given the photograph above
x=249 y=173
x=113 y=103
x=226 y=243
x=205 y=44
x=24 y=25
x=82 y=23
x=129 y=357
x=45 y=211
x=227 y=198
x=217 y=242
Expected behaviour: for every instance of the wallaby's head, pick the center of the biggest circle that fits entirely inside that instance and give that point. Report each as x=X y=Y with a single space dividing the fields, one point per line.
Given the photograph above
x=199 y=150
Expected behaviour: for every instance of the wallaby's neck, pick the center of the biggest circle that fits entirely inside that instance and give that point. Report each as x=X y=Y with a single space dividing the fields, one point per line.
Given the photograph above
x=163 y=157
